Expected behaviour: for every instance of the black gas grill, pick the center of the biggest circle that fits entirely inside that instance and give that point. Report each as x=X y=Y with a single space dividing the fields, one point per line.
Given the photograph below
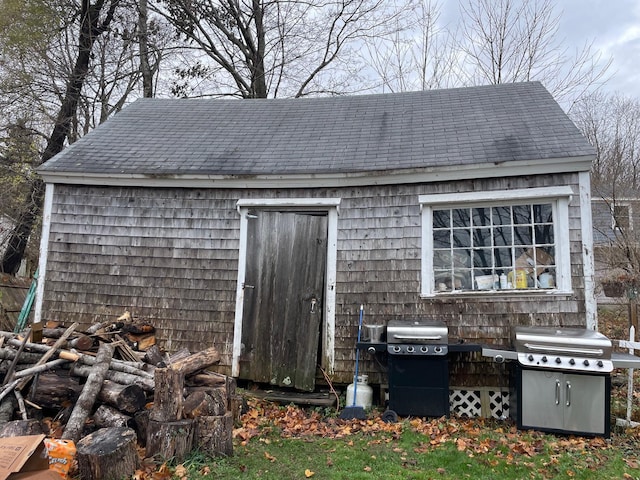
x=418 y=371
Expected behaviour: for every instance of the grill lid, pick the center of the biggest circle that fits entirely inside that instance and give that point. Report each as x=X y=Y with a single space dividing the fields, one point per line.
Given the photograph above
x=574 y=349
x=562 y=341
x=420 y=332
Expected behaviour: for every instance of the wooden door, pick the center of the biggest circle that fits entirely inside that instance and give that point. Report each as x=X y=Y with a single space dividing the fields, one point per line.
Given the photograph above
x=283 y=297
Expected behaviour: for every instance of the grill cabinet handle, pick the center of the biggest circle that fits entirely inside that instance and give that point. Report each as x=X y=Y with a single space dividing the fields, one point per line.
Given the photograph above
x=557 y=392
x=568 y=392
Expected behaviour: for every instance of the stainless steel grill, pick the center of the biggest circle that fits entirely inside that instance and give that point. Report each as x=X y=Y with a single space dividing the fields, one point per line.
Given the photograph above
x=561 y=381
x=574 y=349
x=418 y=371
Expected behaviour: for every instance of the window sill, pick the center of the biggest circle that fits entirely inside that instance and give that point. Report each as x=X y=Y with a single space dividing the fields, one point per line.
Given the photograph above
x=512 y=294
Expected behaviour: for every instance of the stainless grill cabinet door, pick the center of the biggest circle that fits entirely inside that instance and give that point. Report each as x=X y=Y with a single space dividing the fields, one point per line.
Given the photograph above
x=566 y=402
x=542 y=405
x=584 y=399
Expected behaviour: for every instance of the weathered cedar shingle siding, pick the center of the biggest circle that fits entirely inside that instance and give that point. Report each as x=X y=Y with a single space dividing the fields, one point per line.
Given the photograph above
x=171 y=257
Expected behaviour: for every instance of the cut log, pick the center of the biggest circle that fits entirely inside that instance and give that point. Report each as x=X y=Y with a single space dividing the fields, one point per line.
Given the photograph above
x=7 y=406
x=141 y=425
x=147 y=384
x=197 y=361
x=214 y=435
x=45 y=358
x=126 y=398
x=73 y=429
x=54 y=391
x=154 y=357
x=168 y=395
x=109 y=453
x=106 y=416
x=208 y=379
x=18 y=428
x=197 y=404
x=80 y=341
x=170 y=439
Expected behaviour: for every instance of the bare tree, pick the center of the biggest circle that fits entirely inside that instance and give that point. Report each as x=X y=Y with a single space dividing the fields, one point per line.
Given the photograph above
x=94 y=19
x=518 y=40
x=280 y=48
x=418 y=55
x=612 y=125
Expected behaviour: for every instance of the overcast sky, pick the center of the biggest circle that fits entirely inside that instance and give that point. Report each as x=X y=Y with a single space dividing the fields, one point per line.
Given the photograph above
x=614 y=27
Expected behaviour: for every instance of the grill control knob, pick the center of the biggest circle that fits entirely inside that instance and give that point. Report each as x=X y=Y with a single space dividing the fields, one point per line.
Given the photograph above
x=544 y=359
x=558 y=360
x=600 y=364
x=410 y=349
x=424 y=349
x=530 y=358
x=572 y=361
x=438 y=349
x=396 y=349
x=586 y=363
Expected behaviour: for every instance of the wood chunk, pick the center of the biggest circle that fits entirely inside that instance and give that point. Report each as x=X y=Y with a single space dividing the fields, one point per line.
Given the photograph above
x=54 y=391
x=205 y=403
x=109 y=454
x=170 y=439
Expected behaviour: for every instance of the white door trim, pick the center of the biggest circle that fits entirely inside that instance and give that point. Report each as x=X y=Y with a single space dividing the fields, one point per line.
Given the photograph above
x=331 y=206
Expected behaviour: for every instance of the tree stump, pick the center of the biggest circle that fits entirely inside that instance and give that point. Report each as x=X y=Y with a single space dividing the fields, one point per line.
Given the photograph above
x=109 y=453
x=214 y=434
x=170 y=439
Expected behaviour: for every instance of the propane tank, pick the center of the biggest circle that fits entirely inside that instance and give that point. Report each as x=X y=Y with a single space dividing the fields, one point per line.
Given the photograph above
x=364 y=393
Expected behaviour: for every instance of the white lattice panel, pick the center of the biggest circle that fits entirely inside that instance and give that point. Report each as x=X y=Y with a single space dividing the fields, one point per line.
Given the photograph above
x=465 y=403
x=479 y=403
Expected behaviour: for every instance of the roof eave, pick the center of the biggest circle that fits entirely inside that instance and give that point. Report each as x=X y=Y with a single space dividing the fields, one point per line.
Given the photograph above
x=386 y=177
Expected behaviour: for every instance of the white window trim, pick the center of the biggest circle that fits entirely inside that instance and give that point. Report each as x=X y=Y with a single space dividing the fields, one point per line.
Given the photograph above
x=331 y=206
x=559 y=197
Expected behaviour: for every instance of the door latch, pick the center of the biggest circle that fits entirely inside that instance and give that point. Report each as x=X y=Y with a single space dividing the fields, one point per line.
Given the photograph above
x=244 y=285
x=313 y=305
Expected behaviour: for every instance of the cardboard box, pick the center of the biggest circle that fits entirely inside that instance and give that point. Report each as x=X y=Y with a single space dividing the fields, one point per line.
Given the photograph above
x=25 y=458
x=525 y=261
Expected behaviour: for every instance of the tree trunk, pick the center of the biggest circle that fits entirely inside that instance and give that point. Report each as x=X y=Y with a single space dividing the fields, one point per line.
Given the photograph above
x=90 y=391
x=143 y=40
x=109 y=454
x=90 y=30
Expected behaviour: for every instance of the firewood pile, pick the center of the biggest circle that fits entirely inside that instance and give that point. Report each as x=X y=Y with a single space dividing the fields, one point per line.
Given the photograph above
x=112 y=392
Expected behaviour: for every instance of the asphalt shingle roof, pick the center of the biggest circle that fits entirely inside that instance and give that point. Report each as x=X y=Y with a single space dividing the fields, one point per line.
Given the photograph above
x=487 y=124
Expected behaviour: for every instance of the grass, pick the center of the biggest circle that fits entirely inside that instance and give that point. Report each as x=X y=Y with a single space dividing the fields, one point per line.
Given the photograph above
x=420 y=449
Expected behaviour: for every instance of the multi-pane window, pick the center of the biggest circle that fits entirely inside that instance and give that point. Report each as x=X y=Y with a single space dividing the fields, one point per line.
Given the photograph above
x=494 y=247
x=496 y=241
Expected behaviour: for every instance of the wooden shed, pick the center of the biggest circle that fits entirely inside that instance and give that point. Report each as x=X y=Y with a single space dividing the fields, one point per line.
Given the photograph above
x=260 y=226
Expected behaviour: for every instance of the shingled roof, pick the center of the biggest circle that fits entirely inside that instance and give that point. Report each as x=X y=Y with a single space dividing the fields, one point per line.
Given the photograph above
x=335 y=135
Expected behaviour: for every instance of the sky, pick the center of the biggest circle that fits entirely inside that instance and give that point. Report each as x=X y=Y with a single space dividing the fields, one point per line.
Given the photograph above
x=614 y=28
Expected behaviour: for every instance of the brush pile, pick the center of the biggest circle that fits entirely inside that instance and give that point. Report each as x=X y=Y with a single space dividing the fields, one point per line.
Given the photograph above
x=110 y=389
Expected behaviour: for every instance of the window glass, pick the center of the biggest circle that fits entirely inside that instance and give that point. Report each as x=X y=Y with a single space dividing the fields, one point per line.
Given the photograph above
x=502 y=247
